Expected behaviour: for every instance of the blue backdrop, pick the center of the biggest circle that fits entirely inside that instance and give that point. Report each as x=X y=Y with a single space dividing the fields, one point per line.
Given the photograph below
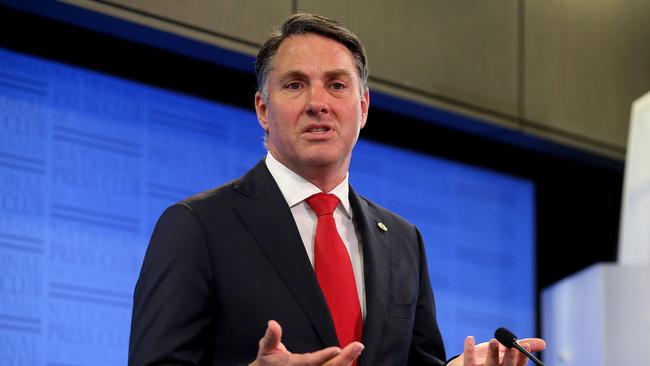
x=88 y=162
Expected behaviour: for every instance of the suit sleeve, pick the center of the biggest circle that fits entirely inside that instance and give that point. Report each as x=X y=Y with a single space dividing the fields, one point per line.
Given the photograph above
x=427 y=347
x=173 y=304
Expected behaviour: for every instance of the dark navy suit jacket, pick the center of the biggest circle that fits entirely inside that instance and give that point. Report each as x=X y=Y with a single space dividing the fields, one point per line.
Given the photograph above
x=222 y=263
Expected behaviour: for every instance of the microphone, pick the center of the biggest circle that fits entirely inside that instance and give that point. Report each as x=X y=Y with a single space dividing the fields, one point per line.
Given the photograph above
x=508 y=339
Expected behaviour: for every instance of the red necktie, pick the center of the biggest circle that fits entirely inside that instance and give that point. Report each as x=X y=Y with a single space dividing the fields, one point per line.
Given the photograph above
x=334 y=271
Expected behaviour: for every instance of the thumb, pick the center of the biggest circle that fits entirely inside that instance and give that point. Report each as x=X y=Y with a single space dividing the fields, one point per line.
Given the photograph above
x=271 y=339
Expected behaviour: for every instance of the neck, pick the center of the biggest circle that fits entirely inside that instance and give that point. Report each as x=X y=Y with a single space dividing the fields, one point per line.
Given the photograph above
x=325 y=177
x=325 y=182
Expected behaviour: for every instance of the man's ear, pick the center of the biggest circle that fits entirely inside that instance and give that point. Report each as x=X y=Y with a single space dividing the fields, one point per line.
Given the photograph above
x=261 y=111
x=365 y=104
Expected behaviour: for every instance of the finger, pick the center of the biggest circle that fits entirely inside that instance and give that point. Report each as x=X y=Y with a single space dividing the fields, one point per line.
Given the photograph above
x=492 y=358
x=348 y=355
x=469 y=352
x=317 y=358
x=271 y=339
x=522 y=359
x=511 y=357
x=536 y=344
x=480 y=352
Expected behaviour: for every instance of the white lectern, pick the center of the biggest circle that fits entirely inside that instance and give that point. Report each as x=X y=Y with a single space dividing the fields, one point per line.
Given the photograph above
x=598 y=317
x=601 y=315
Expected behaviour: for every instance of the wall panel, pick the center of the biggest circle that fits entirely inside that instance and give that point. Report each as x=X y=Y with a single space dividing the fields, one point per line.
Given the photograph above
x=585 y=63
x=462 y=52
x=563 y=71
x=236 y=24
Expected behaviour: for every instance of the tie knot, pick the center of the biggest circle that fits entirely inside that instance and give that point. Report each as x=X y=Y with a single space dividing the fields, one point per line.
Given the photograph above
x=323 y=203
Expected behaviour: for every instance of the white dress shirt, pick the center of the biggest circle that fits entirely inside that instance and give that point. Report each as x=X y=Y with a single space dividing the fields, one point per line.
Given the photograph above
x=295 y=190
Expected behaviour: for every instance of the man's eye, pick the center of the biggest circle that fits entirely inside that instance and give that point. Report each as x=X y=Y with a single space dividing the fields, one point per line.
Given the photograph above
x=294 y=85
x=338 y=86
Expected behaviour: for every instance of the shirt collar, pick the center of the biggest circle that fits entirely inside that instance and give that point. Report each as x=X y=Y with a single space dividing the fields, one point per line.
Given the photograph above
x=296 y=189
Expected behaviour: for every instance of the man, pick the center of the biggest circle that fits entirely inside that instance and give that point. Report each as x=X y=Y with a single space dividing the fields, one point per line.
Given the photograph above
x=324 y=279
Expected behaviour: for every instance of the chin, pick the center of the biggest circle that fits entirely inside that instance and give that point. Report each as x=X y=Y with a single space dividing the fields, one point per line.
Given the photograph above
x=322 y=159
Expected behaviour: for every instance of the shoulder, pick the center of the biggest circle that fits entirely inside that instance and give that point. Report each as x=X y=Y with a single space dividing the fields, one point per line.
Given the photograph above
x=218 y=196
x=231 y=194
x=189 y=215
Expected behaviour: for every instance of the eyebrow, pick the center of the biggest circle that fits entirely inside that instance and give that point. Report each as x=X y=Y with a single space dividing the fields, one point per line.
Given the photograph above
x=292 y=74
x=338 y=73
x=330 y=74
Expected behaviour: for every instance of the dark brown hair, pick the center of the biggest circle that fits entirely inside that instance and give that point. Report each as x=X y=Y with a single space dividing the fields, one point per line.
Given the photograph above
x=300 y=24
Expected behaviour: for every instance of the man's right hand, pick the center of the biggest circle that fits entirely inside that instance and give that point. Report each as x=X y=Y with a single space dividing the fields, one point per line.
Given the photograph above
x=273 y=352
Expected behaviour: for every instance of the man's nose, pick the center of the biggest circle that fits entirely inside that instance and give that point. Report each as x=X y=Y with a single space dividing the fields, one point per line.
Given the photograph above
x=317 y=102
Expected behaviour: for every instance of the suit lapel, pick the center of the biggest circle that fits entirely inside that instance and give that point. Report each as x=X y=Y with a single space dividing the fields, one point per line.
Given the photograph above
x=376 y=268
x=267 y=216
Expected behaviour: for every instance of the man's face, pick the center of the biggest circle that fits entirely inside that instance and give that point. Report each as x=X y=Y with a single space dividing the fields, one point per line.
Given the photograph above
x=315 y=106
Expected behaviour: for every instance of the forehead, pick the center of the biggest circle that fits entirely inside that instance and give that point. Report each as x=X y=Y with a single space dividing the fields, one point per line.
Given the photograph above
x=312 y=53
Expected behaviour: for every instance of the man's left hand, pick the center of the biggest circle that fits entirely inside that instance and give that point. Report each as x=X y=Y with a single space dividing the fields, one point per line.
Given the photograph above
x=494 y=354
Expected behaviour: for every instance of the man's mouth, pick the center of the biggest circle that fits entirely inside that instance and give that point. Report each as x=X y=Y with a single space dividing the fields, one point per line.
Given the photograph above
x=318 y=129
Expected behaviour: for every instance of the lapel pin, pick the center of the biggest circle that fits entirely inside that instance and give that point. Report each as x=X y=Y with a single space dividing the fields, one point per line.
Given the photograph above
x=382 y=226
